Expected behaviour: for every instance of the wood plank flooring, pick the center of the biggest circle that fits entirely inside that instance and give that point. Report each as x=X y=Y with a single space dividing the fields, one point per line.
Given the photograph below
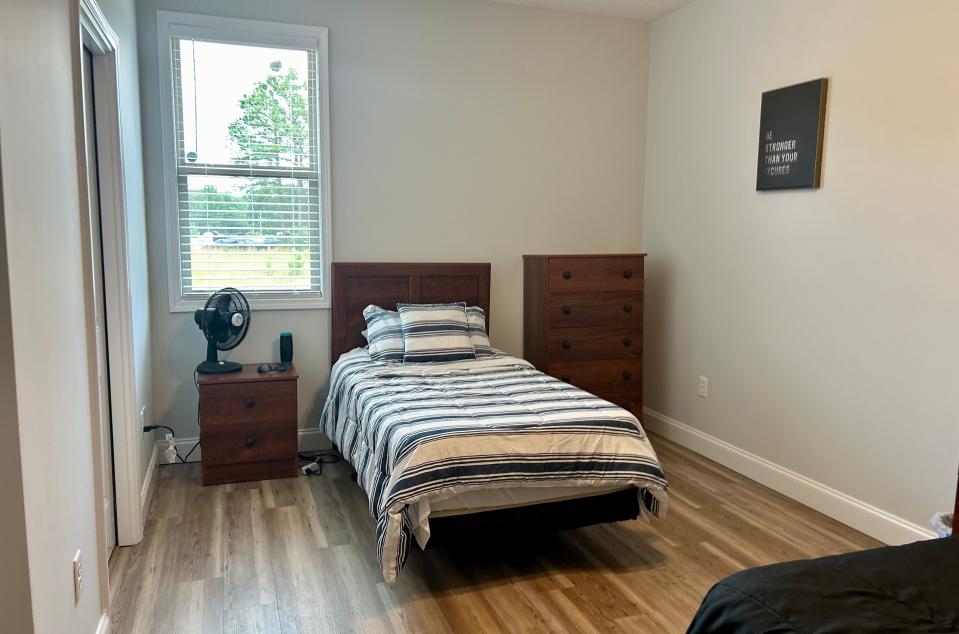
x=298 y=555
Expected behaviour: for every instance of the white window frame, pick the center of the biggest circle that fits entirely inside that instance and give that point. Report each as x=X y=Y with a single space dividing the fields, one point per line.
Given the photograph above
x=257 y=33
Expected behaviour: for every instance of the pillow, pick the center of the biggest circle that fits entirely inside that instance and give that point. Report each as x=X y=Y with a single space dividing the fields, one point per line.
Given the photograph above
x=384 y=331
x=476 y=318
x=435 y=332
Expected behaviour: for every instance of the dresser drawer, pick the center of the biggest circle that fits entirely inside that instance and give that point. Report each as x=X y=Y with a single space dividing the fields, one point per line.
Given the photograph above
x=586 y=344
x=249 y=442
x=631 y=401
x=595 y=309
x=621 y=273
x=232 y=403
x=600 y=376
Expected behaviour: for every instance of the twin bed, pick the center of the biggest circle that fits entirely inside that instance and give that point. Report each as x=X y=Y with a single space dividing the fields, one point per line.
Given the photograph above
x=459 y=450
x=448 y=450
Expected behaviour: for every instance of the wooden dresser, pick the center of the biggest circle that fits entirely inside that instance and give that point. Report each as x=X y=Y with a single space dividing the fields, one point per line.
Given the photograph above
x=248 y=425
x=583 y=323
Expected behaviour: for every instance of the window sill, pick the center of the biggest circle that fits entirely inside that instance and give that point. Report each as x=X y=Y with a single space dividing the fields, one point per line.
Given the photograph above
x=180 y=305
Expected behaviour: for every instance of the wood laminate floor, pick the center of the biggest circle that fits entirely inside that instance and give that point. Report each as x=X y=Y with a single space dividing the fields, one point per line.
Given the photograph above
x=298 y=555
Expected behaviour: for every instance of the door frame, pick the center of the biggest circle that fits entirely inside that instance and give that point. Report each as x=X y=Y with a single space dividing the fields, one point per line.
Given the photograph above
x=96 y=34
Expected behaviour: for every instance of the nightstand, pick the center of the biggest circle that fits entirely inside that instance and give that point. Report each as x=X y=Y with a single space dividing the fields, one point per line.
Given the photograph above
x=248 y=425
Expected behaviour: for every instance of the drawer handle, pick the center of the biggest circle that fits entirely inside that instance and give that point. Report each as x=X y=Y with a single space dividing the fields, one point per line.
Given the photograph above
x=627 y=375
x=565 y=378
x=627 y=341
x=628 y=274
x=566 y=344
x=567 y=310
x=249 y=402
x=567 y=275
x=627 y=308
x=250 y=441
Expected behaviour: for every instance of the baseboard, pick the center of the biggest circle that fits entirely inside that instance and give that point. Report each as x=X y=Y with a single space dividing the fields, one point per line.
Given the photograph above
x=873 y=521
x=103 y=627
x=149 y=483
x=309 y=440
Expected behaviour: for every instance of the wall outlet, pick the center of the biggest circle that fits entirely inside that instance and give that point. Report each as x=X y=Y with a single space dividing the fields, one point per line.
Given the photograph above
x=77 y=577
x=703 y=391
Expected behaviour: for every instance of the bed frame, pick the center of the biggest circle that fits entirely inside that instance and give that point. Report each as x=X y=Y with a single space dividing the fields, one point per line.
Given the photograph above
x=356 y=285
x=359 y=284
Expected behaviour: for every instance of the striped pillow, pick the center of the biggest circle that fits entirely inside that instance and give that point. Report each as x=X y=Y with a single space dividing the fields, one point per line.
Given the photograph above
x=476 y=317
x=435 y=332
x=384 y=331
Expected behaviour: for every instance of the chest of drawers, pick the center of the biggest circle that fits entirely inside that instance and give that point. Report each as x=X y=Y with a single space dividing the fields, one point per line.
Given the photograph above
x=248 y=425
x=583 y=322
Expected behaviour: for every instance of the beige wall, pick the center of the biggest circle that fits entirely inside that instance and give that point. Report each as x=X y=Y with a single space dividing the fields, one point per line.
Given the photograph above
x=15 y=600
x=825 y=320
x=461 y=130
x=43 y=236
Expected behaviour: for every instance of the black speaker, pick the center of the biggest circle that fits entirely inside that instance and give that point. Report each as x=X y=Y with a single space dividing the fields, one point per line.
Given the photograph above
x=286 y=347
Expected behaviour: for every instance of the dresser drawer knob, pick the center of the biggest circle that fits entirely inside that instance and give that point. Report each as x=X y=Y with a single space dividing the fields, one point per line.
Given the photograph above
x=627 y=341
x=567 y=310
x=627 y=308
x=627 y=375
x=566 y=344
x=628 y=274
x=566 y=378
x=567 y=275
x=249 y=402
x=250 y=441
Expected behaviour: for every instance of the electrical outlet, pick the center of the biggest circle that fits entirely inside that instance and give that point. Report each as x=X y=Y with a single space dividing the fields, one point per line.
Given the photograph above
x=703 y=391
x=77 y=577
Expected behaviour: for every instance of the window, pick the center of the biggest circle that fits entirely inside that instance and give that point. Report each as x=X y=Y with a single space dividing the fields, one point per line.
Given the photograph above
x=247 y=160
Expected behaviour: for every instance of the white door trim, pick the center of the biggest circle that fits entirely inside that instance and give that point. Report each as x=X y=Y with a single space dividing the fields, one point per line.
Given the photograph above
x=95 y=33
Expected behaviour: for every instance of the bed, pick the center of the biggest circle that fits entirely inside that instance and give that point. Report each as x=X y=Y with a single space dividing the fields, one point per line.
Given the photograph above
x=460 y=450
x=911 y=588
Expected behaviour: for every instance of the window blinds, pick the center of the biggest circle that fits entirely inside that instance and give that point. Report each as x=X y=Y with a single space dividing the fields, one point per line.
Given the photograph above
x=247 y=169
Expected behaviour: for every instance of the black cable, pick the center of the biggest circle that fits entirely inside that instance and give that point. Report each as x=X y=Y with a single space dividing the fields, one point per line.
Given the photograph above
x=320 y=457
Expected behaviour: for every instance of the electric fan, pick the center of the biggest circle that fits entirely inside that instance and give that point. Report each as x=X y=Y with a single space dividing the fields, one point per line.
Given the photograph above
x=224 y=321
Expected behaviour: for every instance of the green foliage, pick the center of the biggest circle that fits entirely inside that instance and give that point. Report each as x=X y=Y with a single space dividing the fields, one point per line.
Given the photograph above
x=274 y=126
x=272 y=130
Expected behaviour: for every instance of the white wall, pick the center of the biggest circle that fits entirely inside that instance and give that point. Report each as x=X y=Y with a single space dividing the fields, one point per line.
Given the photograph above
x=461 y=131
x=825 y=320
x=15 y=601
x=44 y=265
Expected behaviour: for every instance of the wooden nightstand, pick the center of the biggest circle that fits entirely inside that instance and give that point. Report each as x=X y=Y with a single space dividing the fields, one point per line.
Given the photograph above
x=248 y=425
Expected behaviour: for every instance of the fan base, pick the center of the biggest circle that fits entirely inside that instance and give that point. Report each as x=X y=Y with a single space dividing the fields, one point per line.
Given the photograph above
x=218 y=367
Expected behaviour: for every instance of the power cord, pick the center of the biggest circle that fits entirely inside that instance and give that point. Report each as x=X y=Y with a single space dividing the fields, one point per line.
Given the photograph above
x=314 y=461
x=183 y=459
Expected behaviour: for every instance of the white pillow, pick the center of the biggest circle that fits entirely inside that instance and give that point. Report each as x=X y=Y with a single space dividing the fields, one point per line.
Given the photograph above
x=384 y=331
x=476 y=317
x=435 y=332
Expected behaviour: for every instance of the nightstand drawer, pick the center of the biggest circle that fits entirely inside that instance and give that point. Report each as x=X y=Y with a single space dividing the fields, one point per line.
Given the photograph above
x=249 y=442
x=233 y=403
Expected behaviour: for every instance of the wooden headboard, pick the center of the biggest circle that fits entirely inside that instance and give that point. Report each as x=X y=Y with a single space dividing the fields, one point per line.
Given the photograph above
x=356 y=285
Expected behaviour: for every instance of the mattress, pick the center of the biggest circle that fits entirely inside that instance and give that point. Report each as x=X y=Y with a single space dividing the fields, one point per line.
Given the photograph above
x=425 y=433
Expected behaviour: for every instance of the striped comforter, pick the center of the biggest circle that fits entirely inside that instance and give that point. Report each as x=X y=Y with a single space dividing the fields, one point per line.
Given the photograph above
x=432 y=430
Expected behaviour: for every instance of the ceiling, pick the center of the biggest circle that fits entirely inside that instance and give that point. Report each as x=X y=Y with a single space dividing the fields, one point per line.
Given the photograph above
x=642 y=9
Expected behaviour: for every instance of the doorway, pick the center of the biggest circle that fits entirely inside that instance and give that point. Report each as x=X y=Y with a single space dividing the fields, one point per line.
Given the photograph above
x=103 y=419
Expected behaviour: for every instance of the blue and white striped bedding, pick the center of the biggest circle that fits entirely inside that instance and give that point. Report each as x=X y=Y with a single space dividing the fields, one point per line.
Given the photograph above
x=434 y=430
